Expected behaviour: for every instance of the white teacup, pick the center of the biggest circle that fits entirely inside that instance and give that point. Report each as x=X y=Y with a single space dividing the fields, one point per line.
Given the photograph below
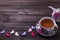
x=46 y=31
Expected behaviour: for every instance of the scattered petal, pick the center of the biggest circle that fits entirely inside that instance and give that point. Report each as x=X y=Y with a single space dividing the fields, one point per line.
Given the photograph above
x=7 y=34
x=3 y=31
x=30 y=29
x=24 y=33
x=16 y=34
x=33 y=27
x=12 y=32
x=33 y=34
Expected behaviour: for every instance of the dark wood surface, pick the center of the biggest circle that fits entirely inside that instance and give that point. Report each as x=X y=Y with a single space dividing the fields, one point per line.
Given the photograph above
x=21 y=14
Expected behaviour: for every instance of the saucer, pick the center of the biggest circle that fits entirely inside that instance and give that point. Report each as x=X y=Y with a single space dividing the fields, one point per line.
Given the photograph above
x=45 y=32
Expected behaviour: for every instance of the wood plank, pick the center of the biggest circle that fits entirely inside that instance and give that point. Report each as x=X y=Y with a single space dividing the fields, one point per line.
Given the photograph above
x=9 y=1
x=17 y=24
x=16 y=28
x=25 y=6
x=29 y=0
x=35 y=11
x=29 y=3
x=55 y=0
x=24 y=2
x=27 y=13
x=25 y=18
x=9 y=10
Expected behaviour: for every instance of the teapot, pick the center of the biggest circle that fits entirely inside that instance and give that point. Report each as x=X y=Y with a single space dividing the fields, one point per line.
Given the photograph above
x=55 y=13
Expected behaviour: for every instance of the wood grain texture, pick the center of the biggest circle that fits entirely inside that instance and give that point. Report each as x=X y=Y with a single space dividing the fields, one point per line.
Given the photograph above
x=20 y=15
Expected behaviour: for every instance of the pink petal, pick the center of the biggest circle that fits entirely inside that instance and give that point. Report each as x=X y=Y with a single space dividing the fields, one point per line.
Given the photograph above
x=7 y=34
x=33 y=34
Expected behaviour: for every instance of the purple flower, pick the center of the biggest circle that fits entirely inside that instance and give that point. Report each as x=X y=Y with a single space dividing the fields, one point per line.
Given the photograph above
x=56 y=15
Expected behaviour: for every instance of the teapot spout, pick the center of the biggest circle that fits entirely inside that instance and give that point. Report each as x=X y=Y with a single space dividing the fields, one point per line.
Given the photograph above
x=52 y=8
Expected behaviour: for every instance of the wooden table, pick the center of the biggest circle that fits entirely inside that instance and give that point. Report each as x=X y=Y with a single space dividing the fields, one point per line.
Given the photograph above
x=21 y=14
